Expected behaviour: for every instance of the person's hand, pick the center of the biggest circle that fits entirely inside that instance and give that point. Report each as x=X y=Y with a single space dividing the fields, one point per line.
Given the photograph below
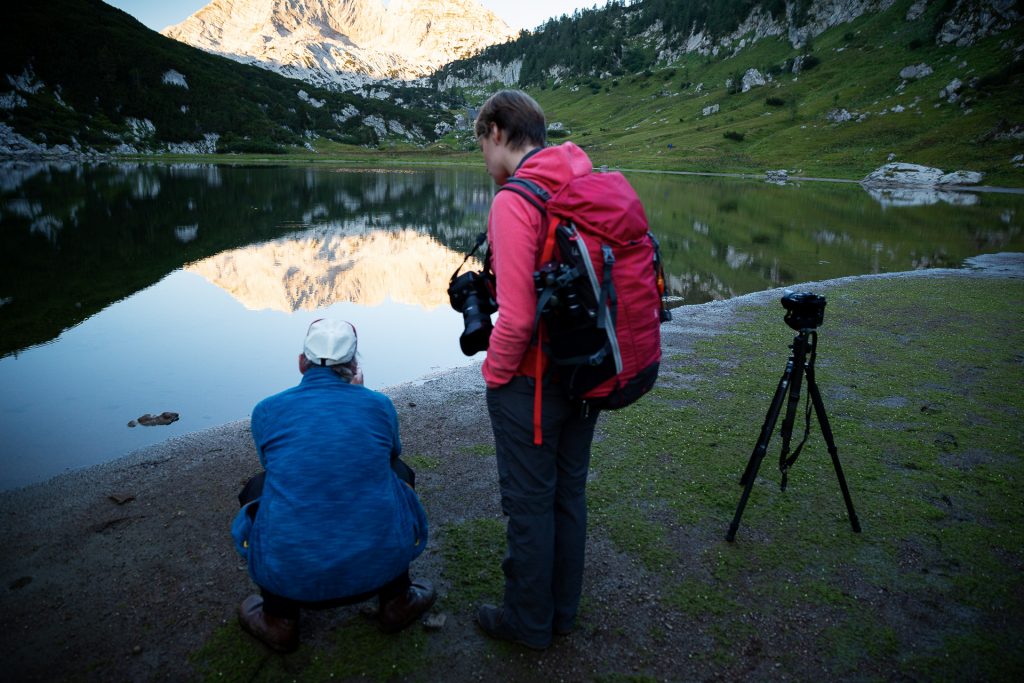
x=358 y=377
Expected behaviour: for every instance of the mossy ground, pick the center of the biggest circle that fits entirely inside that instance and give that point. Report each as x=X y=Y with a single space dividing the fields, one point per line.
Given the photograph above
x=921 y=379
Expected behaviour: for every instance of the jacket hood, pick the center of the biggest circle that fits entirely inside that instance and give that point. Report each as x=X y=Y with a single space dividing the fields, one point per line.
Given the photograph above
x=553 y=167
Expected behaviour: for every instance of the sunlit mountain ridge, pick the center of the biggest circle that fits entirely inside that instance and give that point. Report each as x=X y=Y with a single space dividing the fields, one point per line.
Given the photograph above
x=343 y=43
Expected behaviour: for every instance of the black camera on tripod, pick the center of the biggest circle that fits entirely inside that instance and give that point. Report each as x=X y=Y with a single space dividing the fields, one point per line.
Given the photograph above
x=473 y=295
x=804 y=310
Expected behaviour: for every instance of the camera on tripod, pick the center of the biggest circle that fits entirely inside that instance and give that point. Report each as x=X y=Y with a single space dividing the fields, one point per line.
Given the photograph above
x=804 y=310
x=472 y=295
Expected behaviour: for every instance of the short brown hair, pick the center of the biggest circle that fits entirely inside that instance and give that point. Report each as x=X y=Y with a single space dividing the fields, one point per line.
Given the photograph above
x=517 y=114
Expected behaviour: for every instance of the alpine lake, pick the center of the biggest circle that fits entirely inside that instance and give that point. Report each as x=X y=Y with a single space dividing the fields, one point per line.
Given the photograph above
x=133 y=289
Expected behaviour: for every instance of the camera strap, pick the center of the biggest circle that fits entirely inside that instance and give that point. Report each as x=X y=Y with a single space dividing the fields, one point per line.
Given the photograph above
x=480 y=239
x=786 y=463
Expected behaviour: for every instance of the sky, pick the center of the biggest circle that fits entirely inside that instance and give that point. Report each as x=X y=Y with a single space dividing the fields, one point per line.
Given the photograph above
x=159 y=14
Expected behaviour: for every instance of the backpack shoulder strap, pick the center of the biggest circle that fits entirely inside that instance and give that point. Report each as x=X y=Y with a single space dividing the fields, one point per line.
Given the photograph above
x=538 y=197
x=528 y=190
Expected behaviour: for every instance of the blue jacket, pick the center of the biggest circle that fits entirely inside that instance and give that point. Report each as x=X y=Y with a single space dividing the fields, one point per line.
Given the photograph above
x=334 y=519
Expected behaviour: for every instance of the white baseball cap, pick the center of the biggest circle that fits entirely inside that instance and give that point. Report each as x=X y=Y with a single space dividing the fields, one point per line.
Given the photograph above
x=330 y=342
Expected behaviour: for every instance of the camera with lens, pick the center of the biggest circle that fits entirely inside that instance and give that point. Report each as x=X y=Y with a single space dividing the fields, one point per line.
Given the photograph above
x=804 y=310
x=563 y=301
x=472 y=295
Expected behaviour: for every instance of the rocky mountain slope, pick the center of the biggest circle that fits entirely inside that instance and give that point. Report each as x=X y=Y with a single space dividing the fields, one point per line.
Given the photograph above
x=621 y=39
x=343 y=44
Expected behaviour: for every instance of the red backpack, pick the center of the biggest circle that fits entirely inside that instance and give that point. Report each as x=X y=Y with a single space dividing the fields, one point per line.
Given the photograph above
x=600 y=290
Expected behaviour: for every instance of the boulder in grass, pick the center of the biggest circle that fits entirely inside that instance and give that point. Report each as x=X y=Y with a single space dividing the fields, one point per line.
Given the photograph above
x=901 y=173
x=961 y=178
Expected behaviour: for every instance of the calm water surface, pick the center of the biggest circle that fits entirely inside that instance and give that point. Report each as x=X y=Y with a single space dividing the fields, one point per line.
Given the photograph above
x=132 y=289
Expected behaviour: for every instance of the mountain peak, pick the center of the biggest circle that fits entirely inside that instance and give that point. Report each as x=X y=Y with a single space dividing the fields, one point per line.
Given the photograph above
x=343 y=43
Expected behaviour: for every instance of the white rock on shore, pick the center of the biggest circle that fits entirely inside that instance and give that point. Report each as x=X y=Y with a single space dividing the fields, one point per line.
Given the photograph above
x=916 y=175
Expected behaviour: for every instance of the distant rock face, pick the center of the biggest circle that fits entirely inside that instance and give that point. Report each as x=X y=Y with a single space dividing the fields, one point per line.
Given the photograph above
x=915 y=71
x=343 y=44
x=824 y=14
x=487 y=72
x=973 y=20
x=752 y=79
x=838 y=116
x=916 y=10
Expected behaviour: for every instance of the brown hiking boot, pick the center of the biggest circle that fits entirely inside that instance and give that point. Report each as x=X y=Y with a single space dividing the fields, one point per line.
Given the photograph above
x=281 y=635
x=402 y=611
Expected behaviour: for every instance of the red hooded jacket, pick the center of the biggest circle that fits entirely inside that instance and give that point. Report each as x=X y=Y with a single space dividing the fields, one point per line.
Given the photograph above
x=516 y=231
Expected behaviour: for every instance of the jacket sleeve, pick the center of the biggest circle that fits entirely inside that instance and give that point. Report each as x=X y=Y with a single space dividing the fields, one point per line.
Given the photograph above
x=512 y=229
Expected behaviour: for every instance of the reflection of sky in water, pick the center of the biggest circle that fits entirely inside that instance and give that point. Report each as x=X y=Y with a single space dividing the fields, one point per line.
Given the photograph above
x=186 y=346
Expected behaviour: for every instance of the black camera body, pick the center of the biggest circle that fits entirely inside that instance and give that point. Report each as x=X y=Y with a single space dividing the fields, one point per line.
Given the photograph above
x=472 y=295
x=804 y=310
x=565 y=300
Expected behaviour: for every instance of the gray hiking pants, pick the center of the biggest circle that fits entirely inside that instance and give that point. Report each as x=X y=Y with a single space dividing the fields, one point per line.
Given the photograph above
x=543 y=493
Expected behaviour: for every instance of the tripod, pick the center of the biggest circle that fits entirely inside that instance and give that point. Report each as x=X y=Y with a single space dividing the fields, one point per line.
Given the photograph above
x=806 y=342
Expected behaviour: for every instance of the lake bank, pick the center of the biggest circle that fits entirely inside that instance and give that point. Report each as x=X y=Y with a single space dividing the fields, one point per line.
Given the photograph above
x=470 y=159
x=122 y=571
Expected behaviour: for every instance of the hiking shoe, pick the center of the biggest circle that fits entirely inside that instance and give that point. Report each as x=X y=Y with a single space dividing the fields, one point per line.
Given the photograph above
x=280 y=635
x=492 y=621
x=402 y=611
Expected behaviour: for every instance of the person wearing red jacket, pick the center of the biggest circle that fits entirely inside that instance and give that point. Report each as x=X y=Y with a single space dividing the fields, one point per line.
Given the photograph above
x=543 y=487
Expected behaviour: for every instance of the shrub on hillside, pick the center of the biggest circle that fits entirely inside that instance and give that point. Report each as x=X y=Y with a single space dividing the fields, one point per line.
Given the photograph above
x=733 y=135
x=775 y=102
x=734 y=85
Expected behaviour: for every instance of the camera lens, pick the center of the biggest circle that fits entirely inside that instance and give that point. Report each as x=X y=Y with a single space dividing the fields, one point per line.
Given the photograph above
x=477 y=332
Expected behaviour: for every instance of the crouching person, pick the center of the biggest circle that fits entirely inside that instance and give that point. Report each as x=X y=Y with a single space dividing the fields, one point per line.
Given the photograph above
x=333 y=519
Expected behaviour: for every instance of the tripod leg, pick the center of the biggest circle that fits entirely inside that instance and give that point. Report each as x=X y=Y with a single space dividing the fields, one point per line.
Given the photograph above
x=750 y=473
x=826 y=431
x=761 y=447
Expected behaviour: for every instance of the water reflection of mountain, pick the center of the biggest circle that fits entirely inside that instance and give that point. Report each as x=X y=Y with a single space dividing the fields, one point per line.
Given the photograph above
x=76 y=238
x=325 y=265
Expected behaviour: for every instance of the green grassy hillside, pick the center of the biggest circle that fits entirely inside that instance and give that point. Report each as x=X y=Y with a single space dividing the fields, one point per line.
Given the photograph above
x=654 y=119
